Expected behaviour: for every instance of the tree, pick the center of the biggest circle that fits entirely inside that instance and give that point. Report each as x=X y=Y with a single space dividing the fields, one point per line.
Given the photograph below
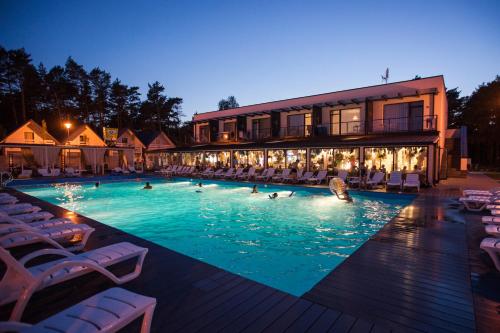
x=455 y=107
x=100 y=83
x=160 y=112
x=228 y=103
x=481 y=115
x=124 y=103
x=79 y=90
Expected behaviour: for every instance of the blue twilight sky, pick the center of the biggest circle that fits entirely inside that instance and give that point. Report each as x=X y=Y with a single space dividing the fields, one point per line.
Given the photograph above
x=258 y=51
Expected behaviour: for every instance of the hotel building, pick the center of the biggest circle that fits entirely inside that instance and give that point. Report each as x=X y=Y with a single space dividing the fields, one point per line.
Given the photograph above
x=400 y=125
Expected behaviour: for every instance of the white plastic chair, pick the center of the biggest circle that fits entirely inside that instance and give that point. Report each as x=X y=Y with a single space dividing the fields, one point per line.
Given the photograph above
x=20 y=282
x=109 y=311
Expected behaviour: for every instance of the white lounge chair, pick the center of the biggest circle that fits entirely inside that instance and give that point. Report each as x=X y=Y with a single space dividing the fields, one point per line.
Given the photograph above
x=290 y=177
x=395 y=180
x=238 y=173
x=209 y=172
x=117 y=170
x=74 y=236
x=492 y=247
x=70 y=172
x=319 y=178
x=412 y=181
x=493 y=191
x=475 y=204
x=215 y=174
x=44 y=172
x=107 y=312
x=266 y=175
x=279 y=178
x=19 y=208
x=493 y=230
x=377 y=180
x=21 y=282
x=354 y=181
x=304 y=177
x=8 y=200
x=247 y=175
x=29 y=217
x=491 y=219
x=228 y=174
x=42 y=223
x=56 y=172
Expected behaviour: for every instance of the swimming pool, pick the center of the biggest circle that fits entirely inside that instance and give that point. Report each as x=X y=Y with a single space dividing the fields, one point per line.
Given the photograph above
x=289 y=243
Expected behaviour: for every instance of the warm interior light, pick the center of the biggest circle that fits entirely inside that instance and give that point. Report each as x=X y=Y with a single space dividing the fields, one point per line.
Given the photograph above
x=67 y=125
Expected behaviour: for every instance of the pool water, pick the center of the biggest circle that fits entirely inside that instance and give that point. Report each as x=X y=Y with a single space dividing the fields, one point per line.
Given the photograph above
x=289 y=243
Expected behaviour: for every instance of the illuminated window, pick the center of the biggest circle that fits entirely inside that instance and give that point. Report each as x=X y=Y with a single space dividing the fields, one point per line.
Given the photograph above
x=346 y=121
x=276 y=158
x=29 y=137
x=83 y=139
x=321 y=159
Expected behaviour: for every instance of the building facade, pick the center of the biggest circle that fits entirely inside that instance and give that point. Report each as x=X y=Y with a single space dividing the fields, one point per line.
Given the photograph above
x=397 y=126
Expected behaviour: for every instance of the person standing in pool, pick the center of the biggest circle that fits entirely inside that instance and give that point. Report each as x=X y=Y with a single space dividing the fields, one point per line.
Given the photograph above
x=97 y=184
x=148 y=186
x=200 y=184
x=254 y=189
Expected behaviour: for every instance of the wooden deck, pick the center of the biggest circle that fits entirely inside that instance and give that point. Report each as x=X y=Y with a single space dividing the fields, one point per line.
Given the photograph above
x=413 y=276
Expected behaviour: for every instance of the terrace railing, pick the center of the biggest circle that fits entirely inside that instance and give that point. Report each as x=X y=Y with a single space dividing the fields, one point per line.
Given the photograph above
x=404 y=124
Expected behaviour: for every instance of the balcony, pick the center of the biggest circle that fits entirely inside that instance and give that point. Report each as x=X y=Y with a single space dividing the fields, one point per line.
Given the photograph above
x=376 y=126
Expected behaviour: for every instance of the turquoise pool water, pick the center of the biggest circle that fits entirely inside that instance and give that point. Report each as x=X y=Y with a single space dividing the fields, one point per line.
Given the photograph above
x=290 y=243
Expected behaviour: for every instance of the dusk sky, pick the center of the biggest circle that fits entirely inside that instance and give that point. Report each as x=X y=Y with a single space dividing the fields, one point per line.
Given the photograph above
x=259 y=51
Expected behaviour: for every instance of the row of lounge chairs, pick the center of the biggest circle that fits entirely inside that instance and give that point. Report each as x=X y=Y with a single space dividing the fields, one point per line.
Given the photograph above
x=22 y=224
x=267 y=175
x=478 y=200
x=395 y=181
x=301 y=176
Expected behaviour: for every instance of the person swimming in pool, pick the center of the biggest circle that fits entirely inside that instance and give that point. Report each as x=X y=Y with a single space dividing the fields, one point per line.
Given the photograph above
x=200 y=184
x=97 y=184
x=254 y=189
x=273 y=196
x=147 y=186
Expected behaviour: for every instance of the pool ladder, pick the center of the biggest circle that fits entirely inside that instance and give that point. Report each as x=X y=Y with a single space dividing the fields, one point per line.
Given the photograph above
x=5 y=178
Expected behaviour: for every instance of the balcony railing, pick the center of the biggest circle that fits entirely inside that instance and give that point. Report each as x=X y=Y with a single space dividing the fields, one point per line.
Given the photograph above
x=386 y=125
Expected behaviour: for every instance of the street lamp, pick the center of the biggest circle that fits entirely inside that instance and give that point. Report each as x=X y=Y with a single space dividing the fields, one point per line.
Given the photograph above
x=68 y=126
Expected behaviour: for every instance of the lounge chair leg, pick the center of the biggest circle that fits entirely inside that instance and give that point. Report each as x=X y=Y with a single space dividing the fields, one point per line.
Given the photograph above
x=494 y=257
x=148 y=318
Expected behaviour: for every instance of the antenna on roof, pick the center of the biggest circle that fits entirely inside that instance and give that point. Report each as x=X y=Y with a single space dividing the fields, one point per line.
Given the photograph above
x=386 y=76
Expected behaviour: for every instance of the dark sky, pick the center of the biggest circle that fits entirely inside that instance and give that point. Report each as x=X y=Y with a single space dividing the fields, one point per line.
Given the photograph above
x=258 y=51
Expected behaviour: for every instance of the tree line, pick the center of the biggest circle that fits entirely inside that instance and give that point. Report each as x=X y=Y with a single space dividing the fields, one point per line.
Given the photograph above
x=480 y=112
x=71 y=92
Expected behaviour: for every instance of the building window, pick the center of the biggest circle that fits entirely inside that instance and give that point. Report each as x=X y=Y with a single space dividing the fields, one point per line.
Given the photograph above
x=125 y=140
x=261 y=128
x=83 y=139
x=29 y=137
x=402 y=117
x=380 y=158
x=230 y=128
x=346 y=159
x=299 y=125
x=346 y=121
x=296 y=158
x=276 y=158
x=204 y=133
x=321 y=159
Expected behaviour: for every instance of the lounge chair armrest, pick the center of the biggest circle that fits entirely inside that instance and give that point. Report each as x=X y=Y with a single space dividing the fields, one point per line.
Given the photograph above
x=12 y=326
x=25 y=296
x=43 y=252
